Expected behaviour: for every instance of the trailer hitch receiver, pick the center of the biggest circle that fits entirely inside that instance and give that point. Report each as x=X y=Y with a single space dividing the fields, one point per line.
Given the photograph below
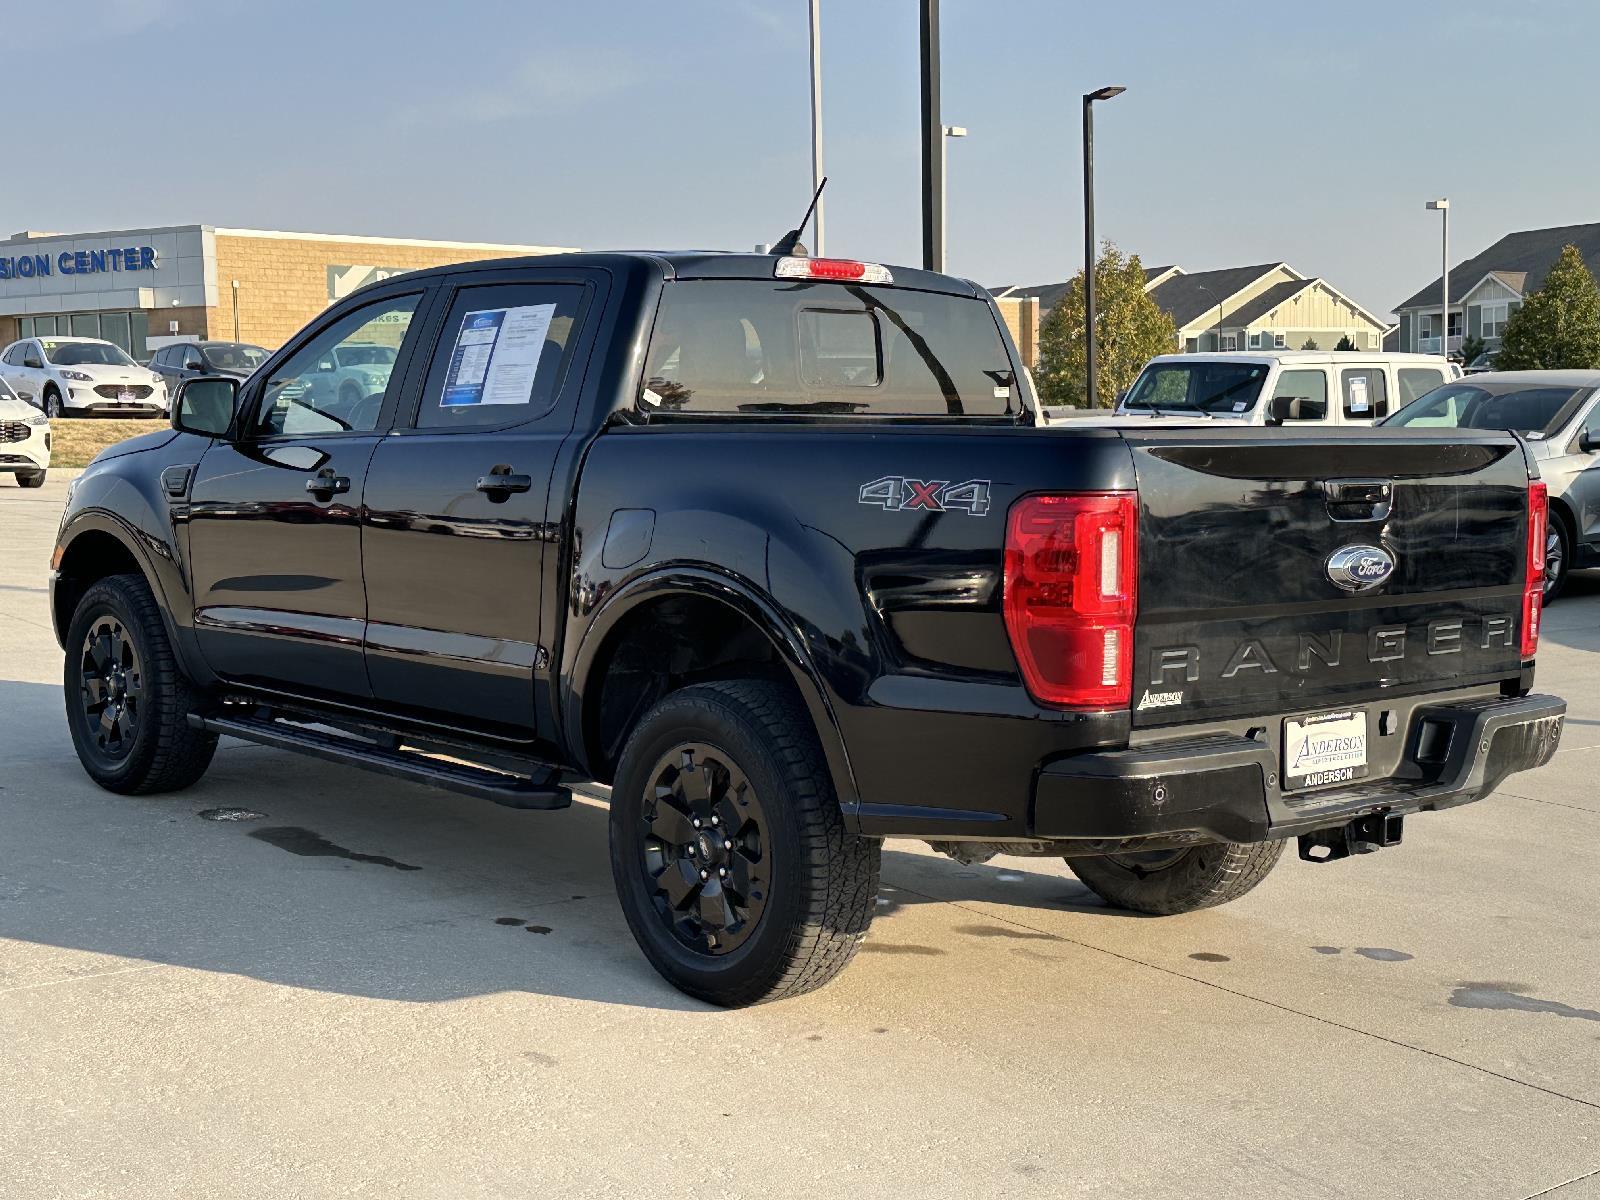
x=1361 y=836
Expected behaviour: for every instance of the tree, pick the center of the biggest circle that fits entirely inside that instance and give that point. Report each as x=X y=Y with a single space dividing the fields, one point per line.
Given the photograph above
x=1344 y=343
x=1311 y=344
x=1471 y=347
x=1129 y=331
x=1558 y=327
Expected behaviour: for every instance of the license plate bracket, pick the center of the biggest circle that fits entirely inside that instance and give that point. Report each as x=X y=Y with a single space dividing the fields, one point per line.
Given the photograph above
x=1324 y=749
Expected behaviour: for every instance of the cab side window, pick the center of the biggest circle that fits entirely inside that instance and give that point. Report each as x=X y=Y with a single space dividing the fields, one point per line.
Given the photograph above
x=13 y=355
x=502 y=354
x=1308 y=394
x=1366 y=393
x=336 y=382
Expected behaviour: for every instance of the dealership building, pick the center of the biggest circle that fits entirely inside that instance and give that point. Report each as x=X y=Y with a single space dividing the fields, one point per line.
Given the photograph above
x=142 y=288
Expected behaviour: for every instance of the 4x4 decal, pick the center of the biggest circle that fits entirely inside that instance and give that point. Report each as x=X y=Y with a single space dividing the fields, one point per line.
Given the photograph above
x=896 y=493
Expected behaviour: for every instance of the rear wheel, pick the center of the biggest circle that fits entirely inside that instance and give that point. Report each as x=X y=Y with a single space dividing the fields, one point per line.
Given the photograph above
x=1166 y=882
x=1557 y=555
x=30 y=479
x=732 y=863
x=127 y=702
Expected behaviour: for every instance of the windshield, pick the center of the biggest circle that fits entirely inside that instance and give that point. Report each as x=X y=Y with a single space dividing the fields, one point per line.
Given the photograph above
x=85 y=354
x=1225 y=387
x=1534 y=410
x=233 y=356
x=356 y=356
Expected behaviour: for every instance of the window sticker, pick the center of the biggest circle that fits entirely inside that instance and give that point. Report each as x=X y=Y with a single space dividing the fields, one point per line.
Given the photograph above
x=1358 y=394
x=496 y=356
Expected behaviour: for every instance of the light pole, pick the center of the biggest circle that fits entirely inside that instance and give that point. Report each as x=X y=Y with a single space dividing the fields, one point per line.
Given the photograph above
x=1442 y=207
x=236 y=310
x=950 y=131
x=1105 y=93
x=816 y=120
x=932 y=138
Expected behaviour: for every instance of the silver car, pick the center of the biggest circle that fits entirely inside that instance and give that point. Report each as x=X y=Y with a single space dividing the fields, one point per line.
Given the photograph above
x=1559 y=413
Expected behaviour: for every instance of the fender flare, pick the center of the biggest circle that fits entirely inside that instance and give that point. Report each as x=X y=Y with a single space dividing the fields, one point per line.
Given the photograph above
x=99 y=520
x=746 y=600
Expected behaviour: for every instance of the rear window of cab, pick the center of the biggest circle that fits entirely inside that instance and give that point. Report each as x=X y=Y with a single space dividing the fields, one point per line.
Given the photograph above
x=754 y=347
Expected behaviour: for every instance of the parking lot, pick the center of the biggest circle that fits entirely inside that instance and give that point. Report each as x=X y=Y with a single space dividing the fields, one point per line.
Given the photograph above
x=363 y=986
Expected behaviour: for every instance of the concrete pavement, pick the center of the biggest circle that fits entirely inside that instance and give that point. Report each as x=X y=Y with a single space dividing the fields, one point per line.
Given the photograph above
x=369 y=987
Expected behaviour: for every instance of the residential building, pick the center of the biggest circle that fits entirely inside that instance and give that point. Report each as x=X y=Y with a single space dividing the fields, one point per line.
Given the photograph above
x=1264 y=307
x=1486 y=289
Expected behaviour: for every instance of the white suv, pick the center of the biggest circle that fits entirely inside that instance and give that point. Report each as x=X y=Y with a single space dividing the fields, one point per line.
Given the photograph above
x=24 y=439
x=70 y=375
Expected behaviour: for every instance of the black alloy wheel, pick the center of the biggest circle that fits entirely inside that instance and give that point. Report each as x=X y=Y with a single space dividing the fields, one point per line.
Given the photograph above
x=111 y=691
x=704 y=848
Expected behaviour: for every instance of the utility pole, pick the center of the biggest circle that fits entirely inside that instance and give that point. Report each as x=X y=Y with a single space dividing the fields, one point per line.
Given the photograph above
x=932 y=142
x=816 y=119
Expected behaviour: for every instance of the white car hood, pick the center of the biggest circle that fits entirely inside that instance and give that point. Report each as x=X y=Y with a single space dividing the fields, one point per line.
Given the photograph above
x=16 y=410
x=103 y=373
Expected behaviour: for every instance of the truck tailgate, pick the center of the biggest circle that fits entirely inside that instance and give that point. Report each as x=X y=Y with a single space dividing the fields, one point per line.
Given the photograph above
x=1240 y=612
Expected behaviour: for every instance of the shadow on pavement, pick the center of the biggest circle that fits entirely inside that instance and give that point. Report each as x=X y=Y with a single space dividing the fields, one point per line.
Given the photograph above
x=342 y=881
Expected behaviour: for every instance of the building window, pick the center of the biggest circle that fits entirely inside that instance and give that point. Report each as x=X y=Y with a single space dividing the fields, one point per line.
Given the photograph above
x=1255 y=341
x=1227 y=341
x=1494 y=319
x=1280 y=341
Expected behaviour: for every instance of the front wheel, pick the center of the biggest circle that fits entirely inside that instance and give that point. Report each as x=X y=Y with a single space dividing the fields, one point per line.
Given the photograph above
x=1166 y=882
x=734 y=868
x=127 y=702
x=52 y=405
x=30 y=479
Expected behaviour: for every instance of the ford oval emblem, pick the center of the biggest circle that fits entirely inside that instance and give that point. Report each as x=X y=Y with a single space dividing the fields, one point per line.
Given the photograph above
x=1360 y=568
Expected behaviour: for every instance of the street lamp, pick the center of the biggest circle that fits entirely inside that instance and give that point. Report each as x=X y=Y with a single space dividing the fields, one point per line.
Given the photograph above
x=950 y=131
x=1105 y=93
x=1442 y=207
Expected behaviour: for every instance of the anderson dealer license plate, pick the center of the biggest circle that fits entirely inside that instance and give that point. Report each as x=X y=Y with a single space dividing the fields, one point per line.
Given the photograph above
x=1324 y=749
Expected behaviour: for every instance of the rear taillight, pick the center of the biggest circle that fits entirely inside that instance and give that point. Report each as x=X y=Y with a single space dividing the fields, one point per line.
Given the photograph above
x=1533 y=583
x=1070 y=591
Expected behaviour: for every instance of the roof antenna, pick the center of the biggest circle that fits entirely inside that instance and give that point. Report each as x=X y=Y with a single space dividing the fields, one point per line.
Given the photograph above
x=790 y=242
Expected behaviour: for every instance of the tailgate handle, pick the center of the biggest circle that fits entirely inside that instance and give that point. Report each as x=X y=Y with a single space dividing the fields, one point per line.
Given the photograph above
x=1359 y=499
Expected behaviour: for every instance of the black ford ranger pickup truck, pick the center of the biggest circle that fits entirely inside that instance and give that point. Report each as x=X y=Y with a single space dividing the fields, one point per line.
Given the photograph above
x=773 y=547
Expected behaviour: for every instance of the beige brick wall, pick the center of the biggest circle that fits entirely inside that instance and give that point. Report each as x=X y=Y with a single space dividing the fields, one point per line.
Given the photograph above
x=1021 y=314
x=283 y=282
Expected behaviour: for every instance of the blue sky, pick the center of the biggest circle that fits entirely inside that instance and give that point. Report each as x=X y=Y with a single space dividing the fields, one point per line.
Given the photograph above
x=1249 y=133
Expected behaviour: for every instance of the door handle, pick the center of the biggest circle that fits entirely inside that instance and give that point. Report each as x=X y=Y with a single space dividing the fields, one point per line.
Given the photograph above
x=325 y=483
x=497 y=485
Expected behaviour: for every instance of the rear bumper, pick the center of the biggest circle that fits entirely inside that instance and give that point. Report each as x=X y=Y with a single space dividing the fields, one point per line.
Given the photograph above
x=1224 y=788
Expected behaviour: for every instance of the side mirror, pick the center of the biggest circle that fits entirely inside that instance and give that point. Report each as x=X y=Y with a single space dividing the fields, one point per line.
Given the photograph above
x=32 y=363
x=1587 y=442
x=1295 y=408
x=206 y=405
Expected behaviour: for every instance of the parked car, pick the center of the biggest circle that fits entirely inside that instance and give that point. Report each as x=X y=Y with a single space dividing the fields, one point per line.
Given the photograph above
x=771 y=546
x=185 y=360
x=1559 y=414
x=71 y=376
x=341 y=379
x=1306 y=388
x=24 y=439
x=1483 y=362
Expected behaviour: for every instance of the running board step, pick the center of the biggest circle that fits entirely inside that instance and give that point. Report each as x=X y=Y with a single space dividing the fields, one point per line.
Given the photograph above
x=542 y=791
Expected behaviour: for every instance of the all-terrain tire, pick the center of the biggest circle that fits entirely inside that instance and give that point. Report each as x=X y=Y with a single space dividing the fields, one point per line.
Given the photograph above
x=820 y=881
x=1200 y=877
x=159 y=752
